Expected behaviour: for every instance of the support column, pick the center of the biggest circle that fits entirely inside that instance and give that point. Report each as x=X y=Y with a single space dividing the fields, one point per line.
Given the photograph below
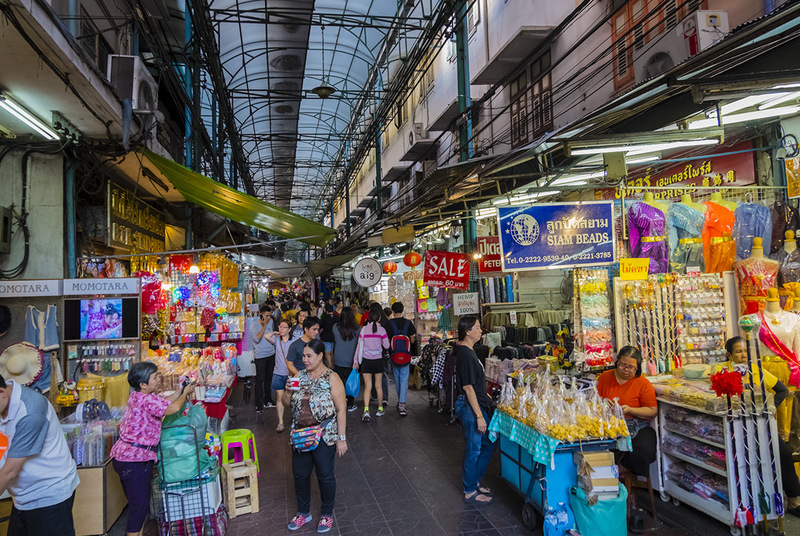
x=347 y=186
x=462 y=72
x=69 y=208
x=470 y=232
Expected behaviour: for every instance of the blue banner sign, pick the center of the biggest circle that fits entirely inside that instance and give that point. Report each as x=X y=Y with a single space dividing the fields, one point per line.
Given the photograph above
x=556 y=235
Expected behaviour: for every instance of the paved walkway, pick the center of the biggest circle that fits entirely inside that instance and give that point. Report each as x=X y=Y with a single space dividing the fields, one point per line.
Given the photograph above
x=401 y=477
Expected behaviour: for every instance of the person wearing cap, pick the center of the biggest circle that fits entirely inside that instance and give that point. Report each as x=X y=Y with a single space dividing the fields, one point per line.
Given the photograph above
x=39 y=472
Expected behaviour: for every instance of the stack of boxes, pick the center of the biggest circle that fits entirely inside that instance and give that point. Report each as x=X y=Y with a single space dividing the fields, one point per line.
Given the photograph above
x=603 y=479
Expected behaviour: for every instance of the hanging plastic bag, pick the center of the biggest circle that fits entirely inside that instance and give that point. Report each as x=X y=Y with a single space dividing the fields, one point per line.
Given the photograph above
x=353 y=385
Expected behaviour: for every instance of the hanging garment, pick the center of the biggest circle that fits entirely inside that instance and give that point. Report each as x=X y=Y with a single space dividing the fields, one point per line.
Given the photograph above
x=754 y=278
x=718 y=246
x=41 y=329
x=784 y=218
x=647 y=234
x=751 y=220
x=685 y=238
x=788 y=276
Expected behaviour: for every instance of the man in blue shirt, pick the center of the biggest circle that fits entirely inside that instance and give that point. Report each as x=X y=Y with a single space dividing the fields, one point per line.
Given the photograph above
x=264 y=356
x=39 y=472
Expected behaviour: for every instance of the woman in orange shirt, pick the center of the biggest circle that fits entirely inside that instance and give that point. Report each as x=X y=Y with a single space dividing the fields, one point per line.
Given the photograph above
x=638 y=400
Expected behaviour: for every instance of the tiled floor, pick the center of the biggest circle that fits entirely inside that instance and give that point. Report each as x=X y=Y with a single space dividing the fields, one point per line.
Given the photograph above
x=402 y=477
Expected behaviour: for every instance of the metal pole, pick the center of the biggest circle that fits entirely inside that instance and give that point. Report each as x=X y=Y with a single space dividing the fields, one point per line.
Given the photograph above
x=462 y=70
x=378 y=170
x=347 y=187
x=72 y=6
x=69 y=206
x=187 y=87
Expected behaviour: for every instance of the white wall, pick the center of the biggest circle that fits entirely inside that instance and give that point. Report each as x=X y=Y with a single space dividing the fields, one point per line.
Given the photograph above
x=46 y=213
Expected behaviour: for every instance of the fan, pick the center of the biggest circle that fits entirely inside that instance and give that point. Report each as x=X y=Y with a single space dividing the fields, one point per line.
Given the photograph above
x=567 y=290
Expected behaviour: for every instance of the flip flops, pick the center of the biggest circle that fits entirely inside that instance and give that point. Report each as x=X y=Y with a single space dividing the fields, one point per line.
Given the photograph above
x=473 y=499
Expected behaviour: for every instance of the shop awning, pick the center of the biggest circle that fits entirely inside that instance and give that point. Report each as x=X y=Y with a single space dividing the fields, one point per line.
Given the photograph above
x=274 y=267
x=238 y=206
x=319 y=267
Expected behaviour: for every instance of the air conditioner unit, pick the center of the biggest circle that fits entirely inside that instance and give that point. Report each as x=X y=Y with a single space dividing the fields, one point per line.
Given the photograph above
x=692 y=35
x=133 y=81
x=417 y=134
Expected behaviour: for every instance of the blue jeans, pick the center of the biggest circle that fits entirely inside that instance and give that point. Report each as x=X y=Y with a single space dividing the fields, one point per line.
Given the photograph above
x=401 y=381
x=478 y=449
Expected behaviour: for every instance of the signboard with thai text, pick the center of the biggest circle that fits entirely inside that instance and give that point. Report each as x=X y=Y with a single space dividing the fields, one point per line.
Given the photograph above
x=634 y=269
x=489 y=248
x=671 y=180
x=556 y=235
x=133 y=224
x=446 y=269
x=466 y=304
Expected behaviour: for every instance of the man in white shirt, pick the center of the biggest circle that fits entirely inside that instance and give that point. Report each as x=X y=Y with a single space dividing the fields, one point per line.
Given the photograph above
x=39 y=471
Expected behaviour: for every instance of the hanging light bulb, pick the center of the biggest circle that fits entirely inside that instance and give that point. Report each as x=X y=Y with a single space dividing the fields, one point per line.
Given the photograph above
x=194 y=268
x=323 y=91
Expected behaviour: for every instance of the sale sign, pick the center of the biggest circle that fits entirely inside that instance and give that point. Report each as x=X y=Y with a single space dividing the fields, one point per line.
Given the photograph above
x=489 y=248
x=446 y=269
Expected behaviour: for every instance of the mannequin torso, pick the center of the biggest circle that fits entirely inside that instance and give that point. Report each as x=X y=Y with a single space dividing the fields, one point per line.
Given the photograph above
x=789 y=243
x=716 y=197
x=756 y=276
x=686 y=199
x=650 y=200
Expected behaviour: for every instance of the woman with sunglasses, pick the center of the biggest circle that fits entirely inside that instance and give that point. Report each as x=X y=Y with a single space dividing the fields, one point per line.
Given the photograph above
x=638 y=400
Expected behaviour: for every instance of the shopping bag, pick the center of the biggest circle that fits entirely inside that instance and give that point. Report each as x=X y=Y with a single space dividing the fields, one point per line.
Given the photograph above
x=605 y=518
x=353 y=385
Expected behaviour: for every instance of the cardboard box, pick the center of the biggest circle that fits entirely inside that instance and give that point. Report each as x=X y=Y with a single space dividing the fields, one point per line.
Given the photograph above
x=606 y=471
x=595 y=459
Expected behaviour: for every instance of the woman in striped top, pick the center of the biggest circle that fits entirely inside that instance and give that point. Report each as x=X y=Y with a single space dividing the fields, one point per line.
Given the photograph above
x=371 y=342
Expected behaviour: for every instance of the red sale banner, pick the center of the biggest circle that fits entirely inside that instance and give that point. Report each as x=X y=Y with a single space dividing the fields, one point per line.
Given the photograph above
x=446 y=269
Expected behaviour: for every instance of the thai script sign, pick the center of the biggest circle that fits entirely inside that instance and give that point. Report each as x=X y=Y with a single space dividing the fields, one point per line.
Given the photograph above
x=556 y=235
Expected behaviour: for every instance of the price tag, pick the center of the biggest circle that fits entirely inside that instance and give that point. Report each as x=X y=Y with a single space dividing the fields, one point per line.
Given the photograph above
x=693 y=271
x=513 y=316
x=367 y=272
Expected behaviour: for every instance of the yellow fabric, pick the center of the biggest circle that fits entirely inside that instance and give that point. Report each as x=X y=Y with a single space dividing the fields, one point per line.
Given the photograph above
x=116 y=391
x=783 y=413
x=769 y=379
x=89 y=388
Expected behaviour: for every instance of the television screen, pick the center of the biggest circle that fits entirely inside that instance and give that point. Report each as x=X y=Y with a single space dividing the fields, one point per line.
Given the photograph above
x=101 y=319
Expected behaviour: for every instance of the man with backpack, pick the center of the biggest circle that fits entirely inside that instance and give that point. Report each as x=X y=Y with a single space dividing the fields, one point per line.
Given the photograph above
x=402 y=334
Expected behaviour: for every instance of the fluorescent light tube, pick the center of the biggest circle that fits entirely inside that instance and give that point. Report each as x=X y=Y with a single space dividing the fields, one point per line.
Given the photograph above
x=23 y=115
x=645 y=148
x=747 y=116
x=522 y=198
x=780 y=100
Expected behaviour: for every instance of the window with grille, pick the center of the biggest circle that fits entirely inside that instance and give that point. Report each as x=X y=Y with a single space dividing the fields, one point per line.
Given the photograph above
x=473 y=16
x=519 y=109
x=93 y=42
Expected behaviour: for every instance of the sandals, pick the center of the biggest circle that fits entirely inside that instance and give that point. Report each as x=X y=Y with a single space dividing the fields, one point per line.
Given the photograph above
x=280 y=428
x=473 y=499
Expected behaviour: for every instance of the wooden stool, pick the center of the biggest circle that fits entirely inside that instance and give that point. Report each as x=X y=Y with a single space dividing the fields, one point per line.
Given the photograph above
x=632 y=481
x=240 y=488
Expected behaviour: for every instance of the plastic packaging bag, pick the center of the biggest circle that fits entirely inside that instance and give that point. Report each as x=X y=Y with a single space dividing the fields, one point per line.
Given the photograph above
x=353 y=385
x=182 y=447
x=605 y=518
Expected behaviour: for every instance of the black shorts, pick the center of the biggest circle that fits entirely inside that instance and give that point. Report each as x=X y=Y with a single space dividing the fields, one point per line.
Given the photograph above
x=371 y=366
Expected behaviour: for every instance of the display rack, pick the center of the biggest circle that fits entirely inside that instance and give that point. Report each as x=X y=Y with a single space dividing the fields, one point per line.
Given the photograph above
x=710 y=433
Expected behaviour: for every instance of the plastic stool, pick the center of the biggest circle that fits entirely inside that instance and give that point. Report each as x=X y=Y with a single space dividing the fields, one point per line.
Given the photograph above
x=245 y=444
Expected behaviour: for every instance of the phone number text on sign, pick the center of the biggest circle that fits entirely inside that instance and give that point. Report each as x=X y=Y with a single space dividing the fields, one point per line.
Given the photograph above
x=562 y=235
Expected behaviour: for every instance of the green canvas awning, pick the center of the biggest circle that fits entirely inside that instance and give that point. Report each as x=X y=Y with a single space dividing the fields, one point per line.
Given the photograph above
x=238 y=206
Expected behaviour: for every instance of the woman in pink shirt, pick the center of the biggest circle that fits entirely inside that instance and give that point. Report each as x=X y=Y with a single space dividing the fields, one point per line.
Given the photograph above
x=368 y=358
x=135 y=452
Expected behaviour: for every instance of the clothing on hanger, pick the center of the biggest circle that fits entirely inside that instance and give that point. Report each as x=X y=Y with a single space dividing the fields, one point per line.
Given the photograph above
x=784 y=218
x=751 y=220
x=685 y=238
x=647 y=230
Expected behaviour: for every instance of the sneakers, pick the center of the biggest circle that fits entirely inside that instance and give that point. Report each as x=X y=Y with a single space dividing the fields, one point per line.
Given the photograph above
x=386 y=403
x=352 y=407
x=401 y=407
x=270 y=405
x=298 y=521
x=325 y=524
x=380 y=412
x=365 y=417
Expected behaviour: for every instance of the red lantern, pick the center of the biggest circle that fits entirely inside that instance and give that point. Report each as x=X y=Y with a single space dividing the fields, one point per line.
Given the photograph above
x=412 y=259
x=390 y=267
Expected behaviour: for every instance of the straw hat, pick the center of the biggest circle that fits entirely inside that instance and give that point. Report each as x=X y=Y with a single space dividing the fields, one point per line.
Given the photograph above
x=22 y=363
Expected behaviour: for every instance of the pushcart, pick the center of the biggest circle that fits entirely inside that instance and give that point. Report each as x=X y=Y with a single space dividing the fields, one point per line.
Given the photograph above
x=542 y=485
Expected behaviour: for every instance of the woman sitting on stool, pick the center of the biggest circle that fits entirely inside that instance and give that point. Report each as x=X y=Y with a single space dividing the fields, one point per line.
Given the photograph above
x=638 y=400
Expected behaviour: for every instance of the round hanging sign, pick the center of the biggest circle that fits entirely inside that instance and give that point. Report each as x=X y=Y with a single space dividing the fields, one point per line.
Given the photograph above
x=367 y=272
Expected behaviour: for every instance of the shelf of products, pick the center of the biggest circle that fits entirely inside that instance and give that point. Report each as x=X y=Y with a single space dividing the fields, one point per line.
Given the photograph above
x=696 y=453
x=700 y=317
x=594 y=343
x=212 y=368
